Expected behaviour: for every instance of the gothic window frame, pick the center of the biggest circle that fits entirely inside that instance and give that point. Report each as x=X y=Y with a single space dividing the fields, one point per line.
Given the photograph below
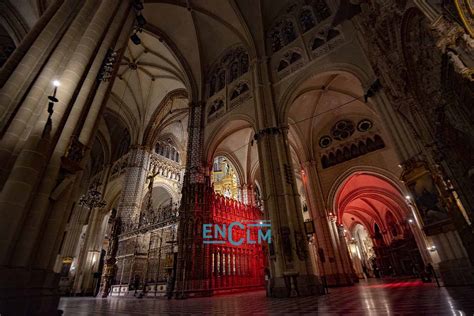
x=325 y=141
x=240 y=85
x=342 y=129
x=365 y=125
x=233 y=64
x=212 y=110
x=330 y=31
x=276 y=33
x=282 y=65
x=321 y=42
x=167 y=149
x=287 y=59
x=289 y=37
x=311 y=15
x=351 y=150
x=316 y=11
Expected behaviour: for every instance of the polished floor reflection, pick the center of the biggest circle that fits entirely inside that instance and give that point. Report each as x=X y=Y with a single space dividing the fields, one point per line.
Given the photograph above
x=396 y=297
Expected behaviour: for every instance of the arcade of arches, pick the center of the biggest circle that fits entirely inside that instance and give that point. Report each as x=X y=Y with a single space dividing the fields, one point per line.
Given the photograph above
x=345 y=125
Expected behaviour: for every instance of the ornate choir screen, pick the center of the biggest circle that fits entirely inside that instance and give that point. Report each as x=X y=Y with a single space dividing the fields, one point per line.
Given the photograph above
x=146 y=255
x=146 y=252
x=209 y=262
x=234 y=266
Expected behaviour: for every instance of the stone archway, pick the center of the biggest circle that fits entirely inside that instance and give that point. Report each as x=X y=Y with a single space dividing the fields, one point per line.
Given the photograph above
x=372 y=203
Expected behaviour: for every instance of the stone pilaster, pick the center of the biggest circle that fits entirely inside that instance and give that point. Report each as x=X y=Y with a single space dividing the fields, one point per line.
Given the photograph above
x=332 y=267
x=292 y=270
x=348 y=267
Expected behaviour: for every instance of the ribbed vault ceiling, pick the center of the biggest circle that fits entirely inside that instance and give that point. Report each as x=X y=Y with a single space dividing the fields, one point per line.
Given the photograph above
x=366 y=199
x=199 y=30
x=147 y=74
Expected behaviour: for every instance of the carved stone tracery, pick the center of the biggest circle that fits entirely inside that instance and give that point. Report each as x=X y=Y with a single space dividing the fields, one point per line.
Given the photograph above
x=418 y=60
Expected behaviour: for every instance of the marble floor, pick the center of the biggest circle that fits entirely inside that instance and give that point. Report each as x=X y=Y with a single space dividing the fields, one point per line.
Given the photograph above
x=395 y=297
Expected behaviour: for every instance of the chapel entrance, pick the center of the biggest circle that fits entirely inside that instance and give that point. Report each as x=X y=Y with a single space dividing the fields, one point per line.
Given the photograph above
x=378 y=227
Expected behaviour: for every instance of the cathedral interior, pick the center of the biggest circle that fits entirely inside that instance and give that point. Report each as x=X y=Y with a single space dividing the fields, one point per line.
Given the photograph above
x=212 y=156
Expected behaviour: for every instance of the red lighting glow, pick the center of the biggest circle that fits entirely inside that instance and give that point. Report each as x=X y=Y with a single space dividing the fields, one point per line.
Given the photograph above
x=397 y=284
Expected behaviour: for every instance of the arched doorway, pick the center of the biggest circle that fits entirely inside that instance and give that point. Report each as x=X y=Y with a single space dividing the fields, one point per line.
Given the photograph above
x=376 y=221
x=332 y=129
x=160 y=197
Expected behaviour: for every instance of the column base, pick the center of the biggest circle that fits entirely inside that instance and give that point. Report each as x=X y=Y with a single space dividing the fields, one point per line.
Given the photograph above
x=28 y=292
x=296 y=285
x=456 y=272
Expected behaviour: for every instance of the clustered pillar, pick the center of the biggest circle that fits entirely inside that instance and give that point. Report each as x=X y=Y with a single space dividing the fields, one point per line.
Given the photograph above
x=291 y=268
x=333 y=269
x=41 y=164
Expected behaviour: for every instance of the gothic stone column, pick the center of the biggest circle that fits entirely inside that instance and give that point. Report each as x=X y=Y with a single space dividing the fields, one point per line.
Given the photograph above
x=191 y=276
x=332 y=266
x=281 y=200
x=25 y=197
x=130 y=242
x=290 y=263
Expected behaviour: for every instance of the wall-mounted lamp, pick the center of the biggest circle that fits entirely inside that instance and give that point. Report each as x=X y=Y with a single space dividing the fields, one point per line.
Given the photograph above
x=52 y=100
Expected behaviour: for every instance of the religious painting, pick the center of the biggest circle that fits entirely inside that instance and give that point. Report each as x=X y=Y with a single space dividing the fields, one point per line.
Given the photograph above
x=425 y=195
